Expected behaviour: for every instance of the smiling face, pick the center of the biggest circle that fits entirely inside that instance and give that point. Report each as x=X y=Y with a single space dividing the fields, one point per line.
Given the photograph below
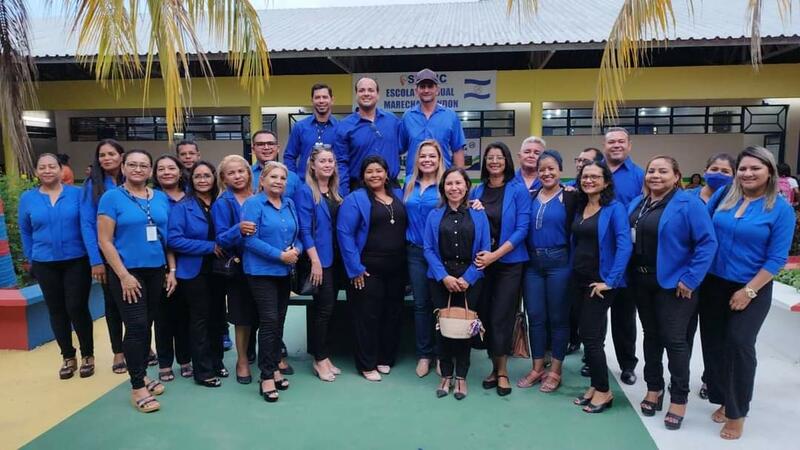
x=617 y=146
x=660 y=177
x=375 y=177
x=455 y=188
x=110 y=159
x=495 y=161
x=549 y=174
x=48 y=171
x=137 y=168
x=592 y=180
x=428 y=160
x=266 y=147
x=235 y=176
x=322 y=101
x=202 y=179
x=367 y=94
x=529 y=154
x=274 y=182
x=752 y=174
x=188 y=155
x=167 y=173
x=427 y=91
x=585 y=157
x=324 y=164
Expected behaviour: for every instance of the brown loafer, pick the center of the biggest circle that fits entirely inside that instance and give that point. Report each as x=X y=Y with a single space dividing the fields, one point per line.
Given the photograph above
x=68 y=368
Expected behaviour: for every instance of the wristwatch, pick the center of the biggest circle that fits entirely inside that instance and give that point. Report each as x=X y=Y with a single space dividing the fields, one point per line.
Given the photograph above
x=750 y=292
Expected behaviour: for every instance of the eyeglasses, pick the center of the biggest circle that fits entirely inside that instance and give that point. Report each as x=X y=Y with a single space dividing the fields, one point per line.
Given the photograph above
x=134 y=166
x=582 y=161
x=202 y=176
x=495 y=158
x=265 y=144
x=591 y=177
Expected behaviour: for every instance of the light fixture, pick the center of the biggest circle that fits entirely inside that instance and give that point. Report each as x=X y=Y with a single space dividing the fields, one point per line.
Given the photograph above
x=642 y=112
x=663 y=109
x=35 y=119
x=548 y=116
x=558 y=112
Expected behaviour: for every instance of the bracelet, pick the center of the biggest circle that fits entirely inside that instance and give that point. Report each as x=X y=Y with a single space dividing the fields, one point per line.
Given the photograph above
x=172 y=269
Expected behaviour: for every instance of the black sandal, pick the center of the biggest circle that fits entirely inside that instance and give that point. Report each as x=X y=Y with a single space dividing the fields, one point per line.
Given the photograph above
x=87 y=368
x=649 y=408
x=166 y=376
x=210 y=383
x=501 y=391
x=223 y=373
x=490 y=383
x=676 y=425
x=119 y=368
x=68 y=368
x=152 y=359
x=269 y=396
x=282 y=384
x=187 y=371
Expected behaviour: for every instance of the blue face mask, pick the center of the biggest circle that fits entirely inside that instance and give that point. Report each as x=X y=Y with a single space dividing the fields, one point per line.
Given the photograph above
x=716 y=180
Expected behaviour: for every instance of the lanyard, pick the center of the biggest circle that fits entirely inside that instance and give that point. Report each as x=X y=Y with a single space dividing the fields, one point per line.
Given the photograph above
x=145 y=209
x=645 y=210
x=320 y=131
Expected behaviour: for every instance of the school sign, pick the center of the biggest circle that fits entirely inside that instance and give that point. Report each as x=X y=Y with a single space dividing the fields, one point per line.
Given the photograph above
x=461 y=91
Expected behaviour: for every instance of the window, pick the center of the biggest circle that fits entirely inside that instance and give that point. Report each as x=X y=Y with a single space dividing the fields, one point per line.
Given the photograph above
x=154 y=128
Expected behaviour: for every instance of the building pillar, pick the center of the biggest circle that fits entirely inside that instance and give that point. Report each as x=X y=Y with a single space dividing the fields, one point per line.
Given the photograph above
x=536 y=117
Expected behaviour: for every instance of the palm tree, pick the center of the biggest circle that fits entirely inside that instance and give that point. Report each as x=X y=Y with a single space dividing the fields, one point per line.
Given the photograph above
x=107 y=36
x=641 y=25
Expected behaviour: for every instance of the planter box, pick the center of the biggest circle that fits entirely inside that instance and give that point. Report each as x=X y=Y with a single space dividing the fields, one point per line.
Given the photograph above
x=25 y=321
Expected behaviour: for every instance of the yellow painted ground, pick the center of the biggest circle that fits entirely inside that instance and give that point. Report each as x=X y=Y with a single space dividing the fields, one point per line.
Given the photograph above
x=34 y=399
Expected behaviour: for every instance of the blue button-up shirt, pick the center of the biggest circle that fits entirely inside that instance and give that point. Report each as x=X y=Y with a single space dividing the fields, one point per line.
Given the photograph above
x=276 y=231
x=628 y=181
x=51 y=232
x=304 y=135
x=357 y=138
x=535 y=186
x=292 y=180
x=418 y=206
x=443 y=125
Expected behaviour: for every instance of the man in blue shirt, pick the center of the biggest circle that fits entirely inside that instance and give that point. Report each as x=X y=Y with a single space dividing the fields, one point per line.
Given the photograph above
x=430 y=120
x=588 y=155
x=529 y=152
x=267 y=148
x=367 y=131
x=188 y=153
x=628 y=180
x=319 y=128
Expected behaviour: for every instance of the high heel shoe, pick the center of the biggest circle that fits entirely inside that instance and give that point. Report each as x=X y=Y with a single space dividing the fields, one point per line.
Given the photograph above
x=269 y=396
x=591 y=408
x=676 y=425
x=282 y=384
x=502 y=391
x=444 y=387
x=488 y=383
x=582 y=401
x=649 y=408
x=209 y=383
x=459 y=394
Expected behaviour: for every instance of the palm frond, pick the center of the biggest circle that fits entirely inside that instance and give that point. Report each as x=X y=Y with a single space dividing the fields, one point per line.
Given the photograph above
x=17 y=75
x=754 y=10
x=639 y=26
x=248 y=55
x=527 y=6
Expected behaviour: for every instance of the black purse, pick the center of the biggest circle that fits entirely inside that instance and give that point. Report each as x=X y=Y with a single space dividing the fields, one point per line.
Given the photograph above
x=300 y=275
x=230 y=267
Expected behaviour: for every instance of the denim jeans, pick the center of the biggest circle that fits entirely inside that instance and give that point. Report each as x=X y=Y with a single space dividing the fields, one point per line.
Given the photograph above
x=423 y=307
x=546 y=303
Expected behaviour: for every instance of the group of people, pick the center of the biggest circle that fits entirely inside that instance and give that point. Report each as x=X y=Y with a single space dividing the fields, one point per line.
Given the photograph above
x=207 y=245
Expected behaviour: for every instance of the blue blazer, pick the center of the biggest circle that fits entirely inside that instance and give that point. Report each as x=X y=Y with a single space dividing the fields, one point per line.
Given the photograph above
x=226 y=214
x=516 y=218
x=188 y=237
x=352 y=227
x=482 y=242
x=686 y=241
x=614 y=238
x=322 y=237
x=262 y=251
x=89 y=219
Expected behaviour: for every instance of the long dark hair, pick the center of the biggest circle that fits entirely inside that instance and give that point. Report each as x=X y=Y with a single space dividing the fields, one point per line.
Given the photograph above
x=214 y=188
x=181 y=172
x=464 y=175
x=607 y=196
x=97 y=175
x=374 y=159
x=508 y=173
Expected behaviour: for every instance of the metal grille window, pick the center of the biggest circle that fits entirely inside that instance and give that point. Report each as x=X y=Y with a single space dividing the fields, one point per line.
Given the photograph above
x=154 y=128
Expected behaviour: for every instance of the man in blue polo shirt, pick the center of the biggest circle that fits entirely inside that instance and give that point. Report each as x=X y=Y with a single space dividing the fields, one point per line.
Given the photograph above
x=319 y=128
x=529 y=152
x=267 y=148
x=367 y=131
x=628 y=180
x=430 y=120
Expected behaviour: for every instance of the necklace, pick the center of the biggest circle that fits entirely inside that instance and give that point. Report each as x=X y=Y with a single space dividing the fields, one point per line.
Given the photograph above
x=389 y=207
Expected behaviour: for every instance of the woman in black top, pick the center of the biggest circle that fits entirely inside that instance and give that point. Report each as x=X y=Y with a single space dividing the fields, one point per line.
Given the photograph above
x=371 y=227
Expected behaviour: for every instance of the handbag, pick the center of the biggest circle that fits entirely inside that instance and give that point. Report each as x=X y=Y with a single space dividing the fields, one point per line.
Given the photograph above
x=300 y=275
x=520 y=348
x=455 y=322
x=230 y=267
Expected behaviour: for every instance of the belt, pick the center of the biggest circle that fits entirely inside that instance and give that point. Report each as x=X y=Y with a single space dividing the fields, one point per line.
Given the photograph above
x=645 y=269
x=548 y=250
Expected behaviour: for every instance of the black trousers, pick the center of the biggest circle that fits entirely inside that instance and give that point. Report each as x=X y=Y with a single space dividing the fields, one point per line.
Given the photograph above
x=500 y=301
x=205 y=295
x=665 y=319
x=729 y=343
x=272 y=300
x=113 y=316
x=65 y=287
x=691 y=330
x=377 y=313
x=454 y=353
x=623 y=328
x=594 y=326
x=138 y=319
x=324 y=302
x=172 y=330
x=574 y=295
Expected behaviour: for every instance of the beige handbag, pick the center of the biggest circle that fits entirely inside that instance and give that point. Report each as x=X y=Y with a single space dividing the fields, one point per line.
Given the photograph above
x=455 y=322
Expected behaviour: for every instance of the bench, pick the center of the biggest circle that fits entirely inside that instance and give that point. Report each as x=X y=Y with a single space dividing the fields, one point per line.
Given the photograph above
x=25 y=321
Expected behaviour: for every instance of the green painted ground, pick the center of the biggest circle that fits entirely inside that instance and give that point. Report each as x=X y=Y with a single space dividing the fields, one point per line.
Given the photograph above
x=401 y=412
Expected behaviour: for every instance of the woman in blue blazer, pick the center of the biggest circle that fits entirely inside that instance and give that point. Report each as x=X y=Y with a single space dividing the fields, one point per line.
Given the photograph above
x=454 y=235
x=269 y=255
x=420 y=197
x=371 y=229
x=318 y=203
x=755 y=226
x=235 y=186
x=601 y=247
x=49 y=225
x=192 y=238
x=673 y=246
x=508 y=206
x=105 y=175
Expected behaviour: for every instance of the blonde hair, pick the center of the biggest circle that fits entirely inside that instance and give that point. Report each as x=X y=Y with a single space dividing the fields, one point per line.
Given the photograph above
x=311 y=177
x=412 y=179
x=269 y=166
x=675 y=170
x=736 y=193
x=223 y=167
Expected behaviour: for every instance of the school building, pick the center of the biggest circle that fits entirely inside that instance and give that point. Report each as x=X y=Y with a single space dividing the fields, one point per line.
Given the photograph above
x=508 y=73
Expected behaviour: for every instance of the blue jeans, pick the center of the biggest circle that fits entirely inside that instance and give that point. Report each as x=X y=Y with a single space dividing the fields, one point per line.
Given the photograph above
x=423 y=306
x=546 y=303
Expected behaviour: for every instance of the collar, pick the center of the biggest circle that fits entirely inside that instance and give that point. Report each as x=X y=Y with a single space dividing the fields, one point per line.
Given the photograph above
x=378 y=113
x=262 y=198
x=461 y=209
x=418 y=108
x=331 y=120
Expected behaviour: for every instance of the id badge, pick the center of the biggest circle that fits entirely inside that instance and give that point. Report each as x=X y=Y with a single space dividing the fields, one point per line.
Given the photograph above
x=152 y=233
x=633 y=235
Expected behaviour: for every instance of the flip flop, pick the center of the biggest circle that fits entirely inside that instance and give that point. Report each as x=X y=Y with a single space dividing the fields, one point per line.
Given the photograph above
x=187 y=371
x=119 y=368
x=166 y=376
x=155 y=387
x=146 y=405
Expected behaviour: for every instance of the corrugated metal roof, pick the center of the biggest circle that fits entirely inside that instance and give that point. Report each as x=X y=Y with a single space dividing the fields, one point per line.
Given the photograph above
x=485 y=23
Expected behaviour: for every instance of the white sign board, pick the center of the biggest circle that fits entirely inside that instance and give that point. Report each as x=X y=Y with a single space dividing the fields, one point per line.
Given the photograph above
x=462 y=91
